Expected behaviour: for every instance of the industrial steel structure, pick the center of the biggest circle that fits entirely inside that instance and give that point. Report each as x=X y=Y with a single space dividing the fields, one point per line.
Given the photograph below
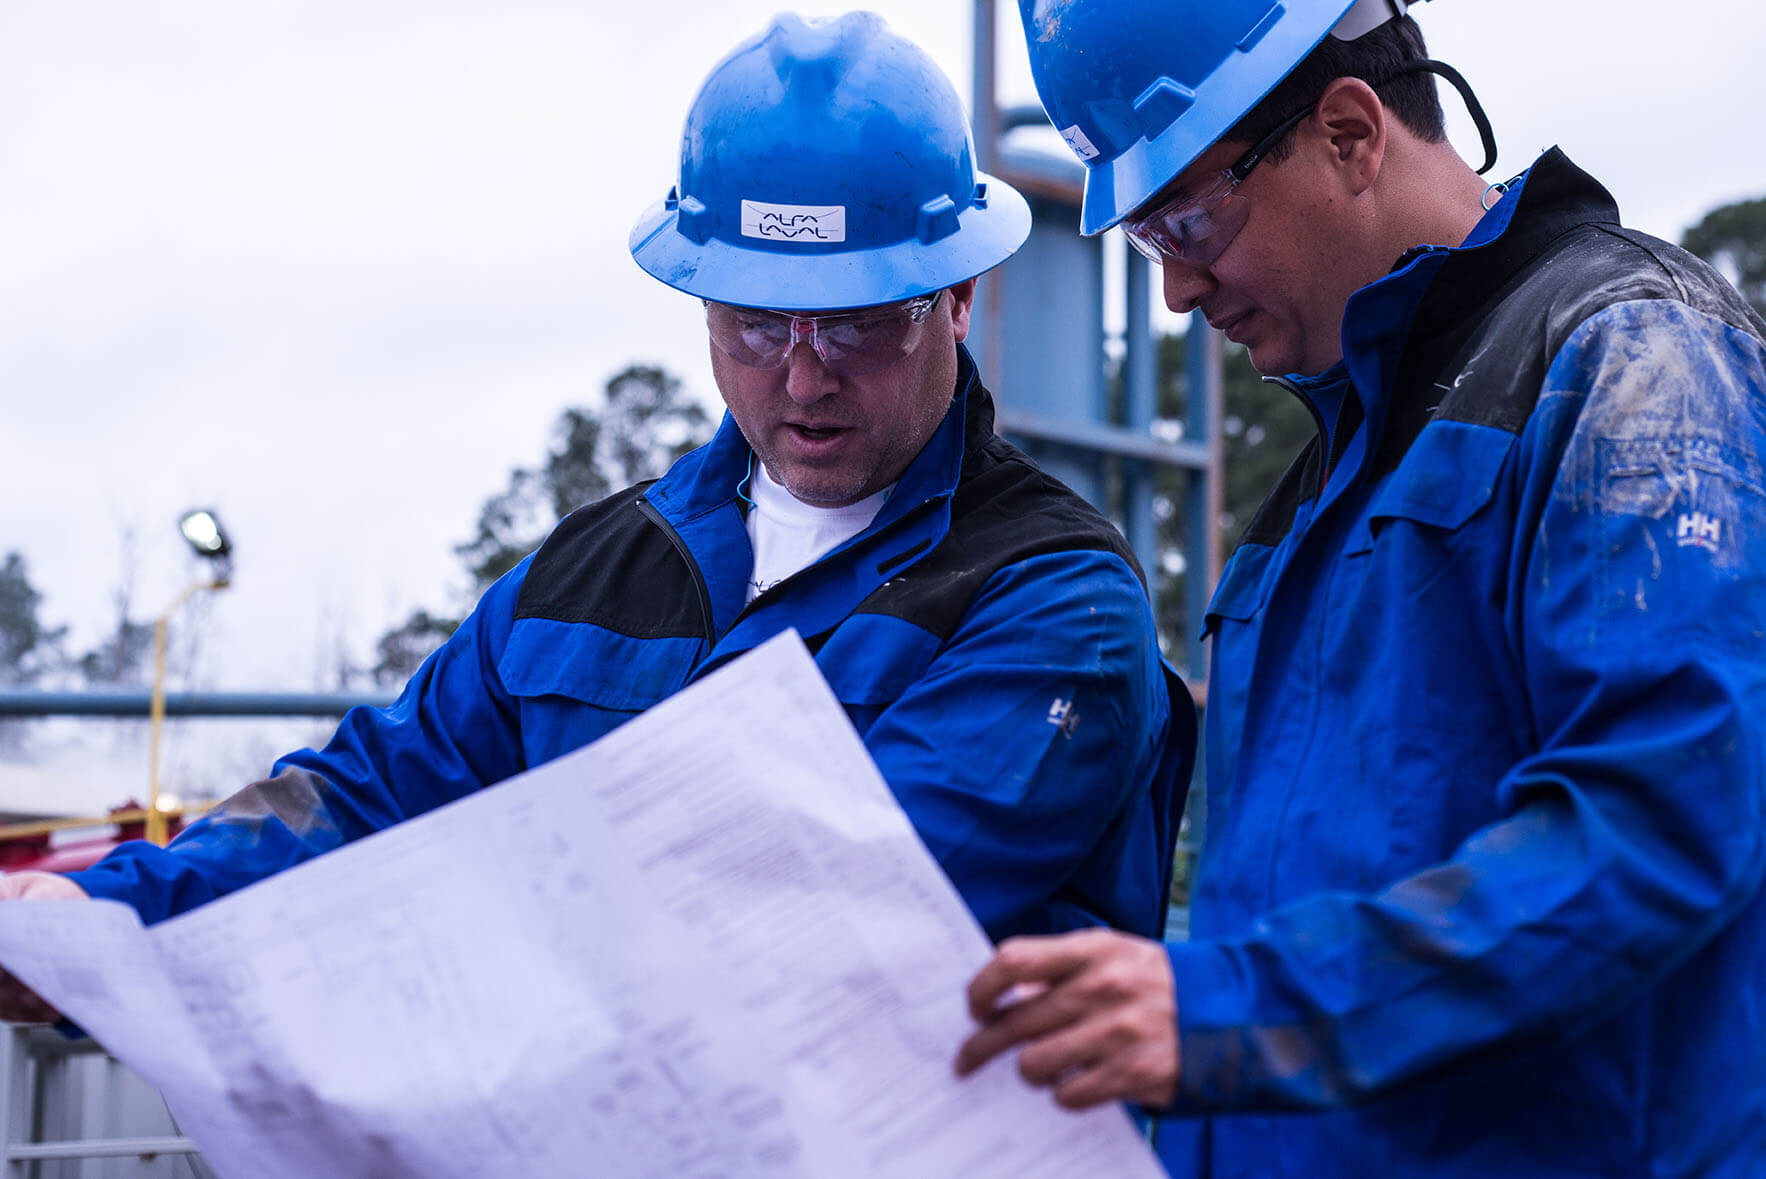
x=1079 y=399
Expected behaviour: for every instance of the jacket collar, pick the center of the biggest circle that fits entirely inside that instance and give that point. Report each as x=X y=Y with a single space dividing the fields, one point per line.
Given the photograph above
x=707 y=479
x=1407 y=325
x=698 y=498
x=1551 y=198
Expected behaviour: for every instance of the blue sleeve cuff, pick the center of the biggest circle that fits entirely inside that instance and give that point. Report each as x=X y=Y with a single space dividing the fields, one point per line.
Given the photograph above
x=1216 y=1056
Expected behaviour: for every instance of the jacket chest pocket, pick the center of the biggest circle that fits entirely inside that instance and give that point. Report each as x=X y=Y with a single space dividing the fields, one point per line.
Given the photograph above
x=1447 y=477
x=574 y=682
x=872 y=660
x=1243 y=588
x=1411 y=598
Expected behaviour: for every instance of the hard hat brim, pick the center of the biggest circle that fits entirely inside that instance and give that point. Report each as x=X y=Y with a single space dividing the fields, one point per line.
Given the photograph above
x=819 y=279
x=1118 y=187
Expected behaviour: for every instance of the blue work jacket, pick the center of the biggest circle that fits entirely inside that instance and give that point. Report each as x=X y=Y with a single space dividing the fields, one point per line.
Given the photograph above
x=988 y=635
x=1480 y=893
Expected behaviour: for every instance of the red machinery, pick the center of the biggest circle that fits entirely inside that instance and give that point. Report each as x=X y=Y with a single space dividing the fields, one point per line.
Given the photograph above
x=33 y=847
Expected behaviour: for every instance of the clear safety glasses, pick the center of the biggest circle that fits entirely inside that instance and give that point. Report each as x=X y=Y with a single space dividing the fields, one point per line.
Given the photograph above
x=1198 y=229
x=850 y=343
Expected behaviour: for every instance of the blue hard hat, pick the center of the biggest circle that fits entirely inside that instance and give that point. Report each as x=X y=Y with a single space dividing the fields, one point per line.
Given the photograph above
x=1140 y=90
x=827 y=164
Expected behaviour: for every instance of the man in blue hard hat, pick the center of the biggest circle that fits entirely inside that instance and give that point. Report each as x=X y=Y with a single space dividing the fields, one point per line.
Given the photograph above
x=986 y=630
x=1481 y=887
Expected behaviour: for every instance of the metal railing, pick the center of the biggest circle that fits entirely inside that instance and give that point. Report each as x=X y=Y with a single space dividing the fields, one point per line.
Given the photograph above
x=212 y=704
x=68 y=1111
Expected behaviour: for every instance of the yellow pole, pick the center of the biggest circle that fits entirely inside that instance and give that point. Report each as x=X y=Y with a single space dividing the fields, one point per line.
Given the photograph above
x=156 y=822
x=156 y=818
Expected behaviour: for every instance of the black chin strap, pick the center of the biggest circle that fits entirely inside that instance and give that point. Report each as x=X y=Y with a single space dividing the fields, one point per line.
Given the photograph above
x=1473 y=106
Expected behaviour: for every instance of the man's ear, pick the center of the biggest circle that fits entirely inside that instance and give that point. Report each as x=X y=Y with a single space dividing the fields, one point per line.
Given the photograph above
x=1352 y=119
x=962 y=300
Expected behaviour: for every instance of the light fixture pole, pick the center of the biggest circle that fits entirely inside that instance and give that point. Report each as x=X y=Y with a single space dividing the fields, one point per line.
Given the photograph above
x=203 y=530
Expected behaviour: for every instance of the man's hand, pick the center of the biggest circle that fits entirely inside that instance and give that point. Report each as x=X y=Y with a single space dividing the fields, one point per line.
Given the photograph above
x=1097 y=1016
x=18 y=1003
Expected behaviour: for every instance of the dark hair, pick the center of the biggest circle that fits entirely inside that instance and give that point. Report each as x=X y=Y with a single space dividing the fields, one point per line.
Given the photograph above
x=1375 y=58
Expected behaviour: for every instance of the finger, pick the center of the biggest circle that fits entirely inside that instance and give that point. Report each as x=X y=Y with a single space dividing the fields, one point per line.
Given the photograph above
x=1141 y=1074
x=1080 y=1045
x=1085 y=1088
x=1030 y=960
x=1026 y=1020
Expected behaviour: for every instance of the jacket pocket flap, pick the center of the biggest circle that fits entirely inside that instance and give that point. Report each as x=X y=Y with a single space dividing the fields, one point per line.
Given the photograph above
x=873 y=659
x=1449 y=473
x=1244 y=585
x=593 y=664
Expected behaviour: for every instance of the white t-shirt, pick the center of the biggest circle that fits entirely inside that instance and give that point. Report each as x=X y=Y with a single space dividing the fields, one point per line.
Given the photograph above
x=789 y=534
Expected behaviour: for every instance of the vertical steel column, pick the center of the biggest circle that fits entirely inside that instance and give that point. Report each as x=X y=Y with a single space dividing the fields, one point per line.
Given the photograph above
x=1140 y=405
x=989 y=348
x=1205 y=489
x=15 y=1097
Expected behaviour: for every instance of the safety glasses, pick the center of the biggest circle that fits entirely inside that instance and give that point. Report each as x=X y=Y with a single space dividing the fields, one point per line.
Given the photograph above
x=1198 y=229
x=850 y=343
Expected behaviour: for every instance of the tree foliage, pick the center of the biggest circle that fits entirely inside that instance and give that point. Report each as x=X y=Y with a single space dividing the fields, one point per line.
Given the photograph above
x=28 y=647
x=120 y=656
x=1733 y=239
x=400 y=651
x=32 y=650
x=644 y=424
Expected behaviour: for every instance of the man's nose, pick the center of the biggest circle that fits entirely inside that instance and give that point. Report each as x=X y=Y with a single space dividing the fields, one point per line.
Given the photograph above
x=1185 y=284
x=807 y=379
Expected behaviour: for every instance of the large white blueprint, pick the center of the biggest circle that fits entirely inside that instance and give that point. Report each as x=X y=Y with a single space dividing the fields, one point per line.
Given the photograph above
x=710 y=944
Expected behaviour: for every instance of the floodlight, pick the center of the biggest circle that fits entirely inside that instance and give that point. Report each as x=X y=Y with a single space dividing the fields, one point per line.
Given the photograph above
x=204 y=533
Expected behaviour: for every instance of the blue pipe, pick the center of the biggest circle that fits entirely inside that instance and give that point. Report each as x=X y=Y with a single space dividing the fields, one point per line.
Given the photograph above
x=214 y=704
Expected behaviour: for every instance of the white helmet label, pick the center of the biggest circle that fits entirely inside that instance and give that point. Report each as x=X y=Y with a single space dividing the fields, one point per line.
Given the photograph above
x=1082 y=146
x=794 y=223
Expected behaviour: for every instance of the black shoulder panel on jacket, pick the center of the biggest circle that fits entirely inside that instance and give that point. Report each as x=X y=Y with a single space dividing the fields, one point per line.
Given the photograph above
x=589 y=568
x=609 y=565
x=1006 y=509
x=1496 y=317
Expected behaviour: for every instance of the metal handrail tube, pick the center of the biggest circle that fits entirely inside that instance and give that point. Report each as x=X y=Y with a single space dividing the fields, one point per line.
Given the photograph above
x=99 y=1148
x=209 y=704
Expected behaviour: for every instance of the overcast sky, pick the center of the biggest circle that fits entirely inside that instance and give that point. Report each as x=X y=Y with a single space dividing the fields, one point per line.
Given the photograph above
x=334 y=266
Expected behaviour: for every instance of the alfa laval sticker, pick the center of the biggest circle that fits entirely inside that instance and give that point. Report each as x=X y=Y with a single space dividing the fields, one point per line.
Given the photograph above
x=1082 y=147
x=794 y=223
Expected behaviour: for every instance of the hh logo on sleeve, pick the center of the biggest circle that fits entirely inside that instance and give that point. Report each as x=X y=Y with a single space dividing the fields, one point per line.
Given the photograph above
x=1064 y=716
x=1696 y=528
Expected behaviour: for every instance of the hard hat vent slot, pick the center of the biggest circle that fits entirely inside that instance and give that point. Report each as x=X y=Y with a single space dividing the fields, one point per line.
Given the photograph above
x=1160 y=104
x=693 y=220
x=1262 y=27
x=938 y=219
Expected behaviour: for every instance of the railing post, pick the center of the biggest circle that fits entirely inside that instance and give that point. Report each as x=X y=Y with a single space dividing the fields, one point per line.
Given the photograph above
x=15 y=1095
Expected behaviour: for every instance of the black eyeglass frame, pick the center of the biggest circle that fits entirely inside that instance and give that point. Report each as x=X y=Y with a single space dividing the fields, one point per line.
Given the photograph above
x=1239 y=169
